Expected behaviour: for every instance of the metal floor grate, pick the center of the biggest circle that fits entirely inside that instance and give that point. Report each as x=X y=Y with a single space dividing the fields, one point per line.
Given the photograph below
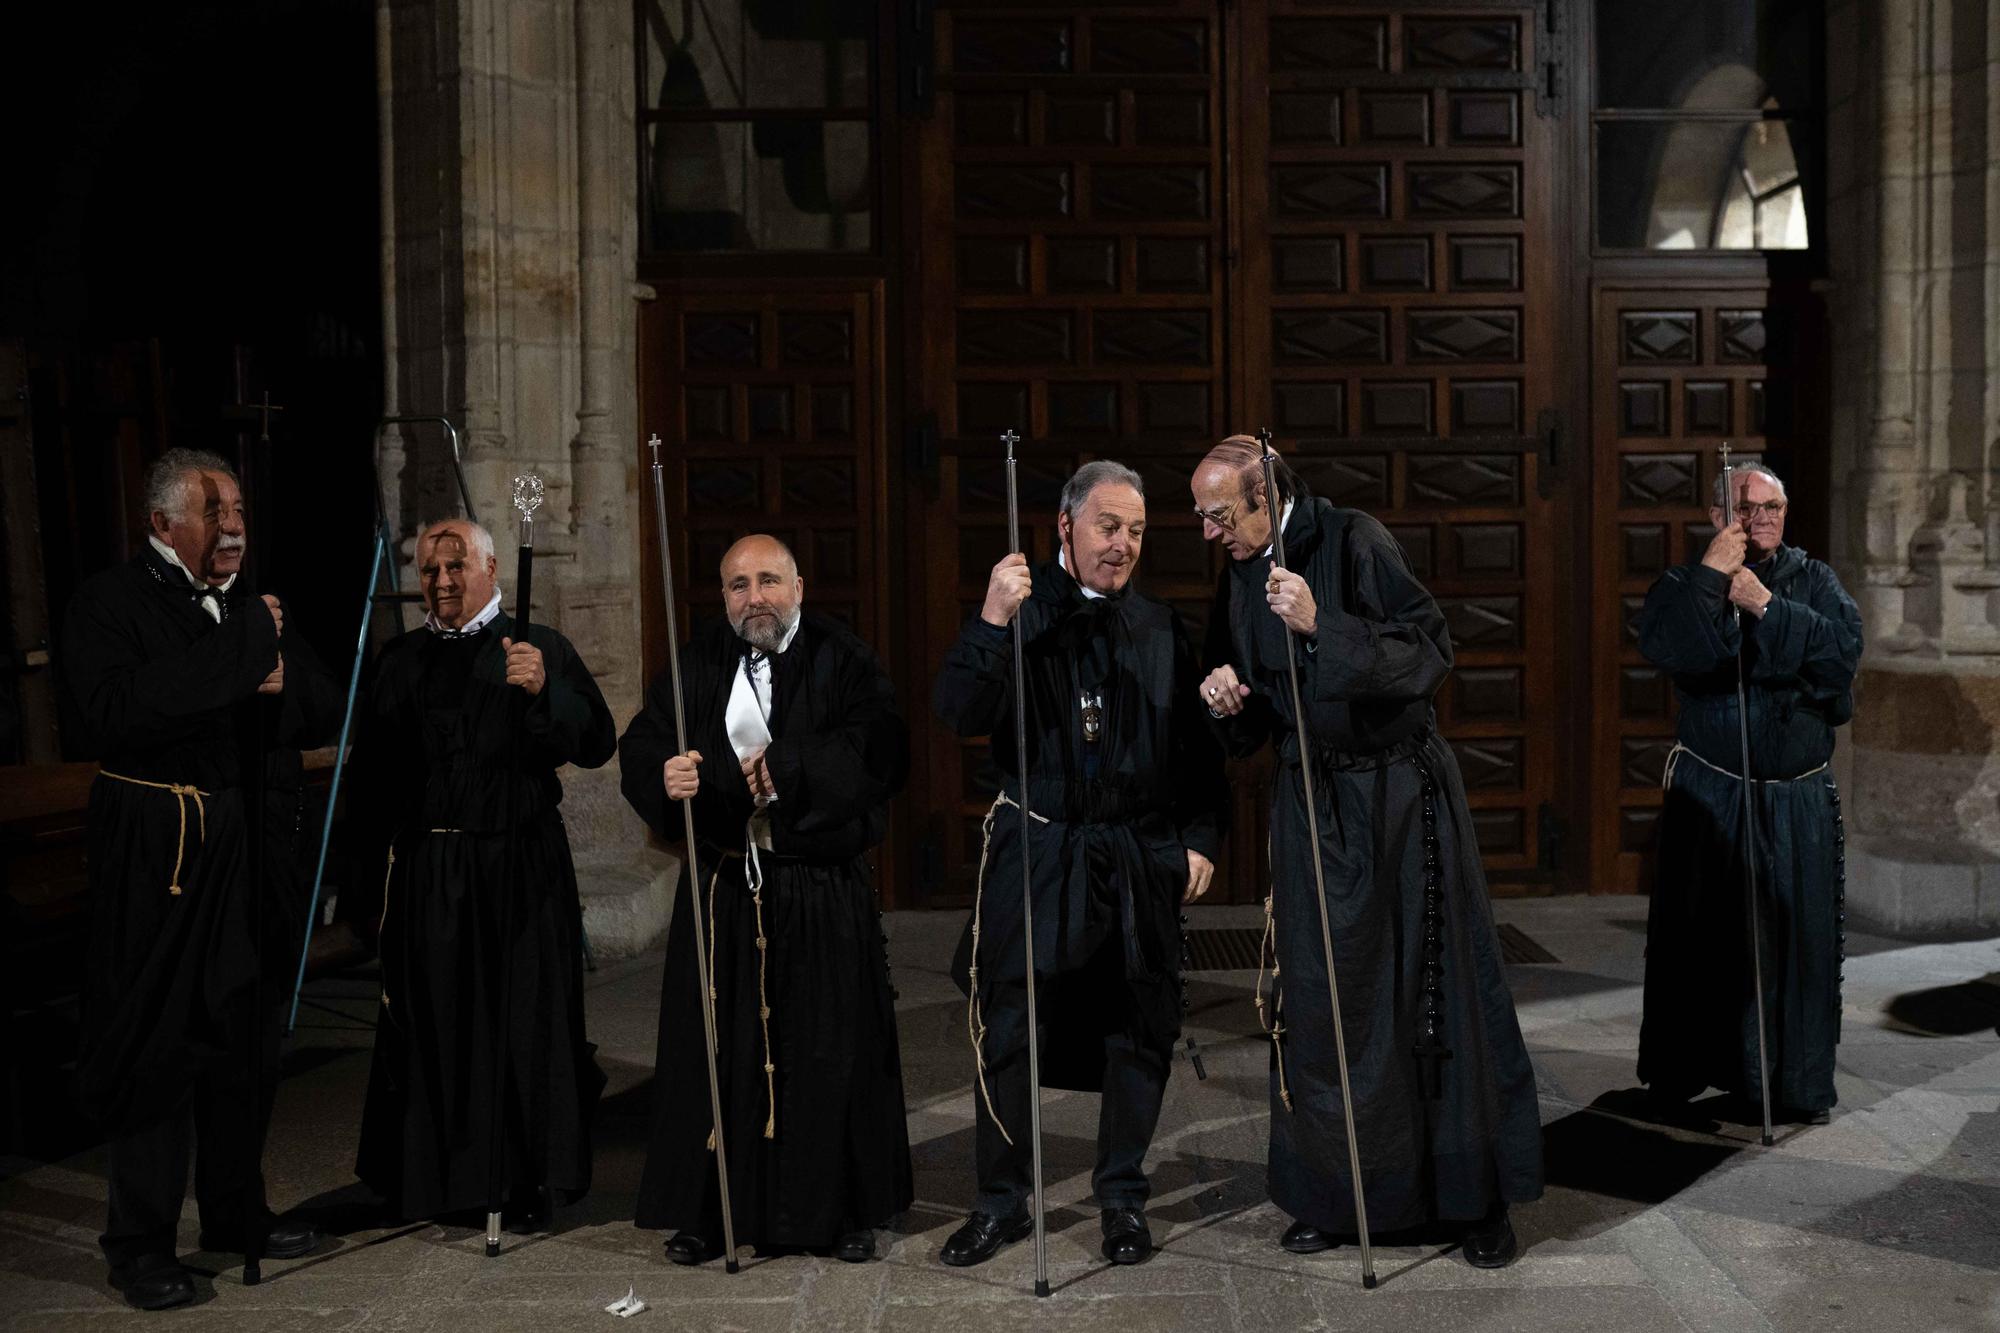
x=1223 y=950
x=1517 y=946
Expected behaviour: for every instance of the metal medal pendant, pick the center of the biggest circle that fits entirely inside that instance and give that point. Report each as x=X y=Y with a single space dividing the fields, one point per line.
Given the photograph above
x=1093 y=719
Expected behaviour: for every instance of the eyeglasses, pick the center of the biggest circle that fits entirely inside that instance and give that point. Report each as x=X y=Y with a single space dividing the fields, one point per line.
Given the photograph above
x=1770 y=508
x=1224 y=518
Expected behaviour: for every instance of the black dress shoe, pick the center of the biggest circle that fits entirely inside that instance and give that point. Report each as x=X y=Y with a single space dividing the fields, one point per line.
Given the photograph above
x=1305 y=1238
x=687 y=1249
x=856 y=1247
x=284 y=1238
x=157 y=1282
x=528 y=1216
x=981 y=1238
x=1491 y=1244
x=1126 y=1239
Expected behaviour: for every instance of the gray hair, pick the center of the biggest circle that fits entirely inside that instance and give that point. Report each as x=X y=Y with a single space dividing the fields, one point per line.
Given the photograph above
x=166 y=480
x=481 y=542
x=1719 y=496
x=1092 y=475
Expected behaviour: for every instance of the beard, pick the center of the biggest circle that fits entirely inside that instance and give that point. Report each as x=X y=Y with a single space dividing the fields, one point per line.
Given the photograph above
x=765 y=631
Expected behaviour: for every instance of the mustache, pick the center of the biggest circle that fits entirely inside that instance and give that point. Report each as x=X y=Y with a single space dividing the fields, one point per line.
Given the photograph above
x=229 y=542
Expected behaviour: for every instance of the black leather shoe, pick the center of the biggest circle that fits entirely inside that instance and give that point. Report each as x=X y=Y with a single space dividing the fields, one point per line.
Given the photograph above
x=527 y=1217
x=154 y=1283
x=687 y=1249
x=284 y=1238
x=856 y=1247
x=981 y=1238
x=1126 y=1239
x=1305 y=1238
x=1491 y=1244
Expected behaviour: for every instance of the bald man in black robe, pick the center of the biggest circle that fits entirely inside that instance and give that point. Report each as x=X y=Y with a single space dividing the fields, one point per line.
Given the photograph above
x=798 y=747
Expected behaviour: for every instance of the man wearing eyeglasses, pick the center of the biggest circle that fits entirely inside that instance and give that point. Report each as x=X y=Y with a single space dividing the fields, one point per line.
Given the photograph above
x=1797 y=633
x=1445 y=1111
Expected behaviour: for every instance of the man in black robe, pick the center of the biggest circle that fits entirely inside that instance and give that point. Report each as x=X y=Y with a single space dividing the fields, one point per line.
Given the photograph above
x=798 y=748
x=166 y=660
x=1799 y=636
x=1444 y=1096
x=480 y=1030
x=1127 y=804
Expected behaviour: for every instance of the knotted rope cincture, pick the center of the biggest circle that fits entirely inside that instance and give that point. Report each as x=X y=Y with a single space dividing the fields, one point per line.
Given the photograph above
x=1274 y=1024
x=753 y=876
x=975 y=1022
x=181 y=792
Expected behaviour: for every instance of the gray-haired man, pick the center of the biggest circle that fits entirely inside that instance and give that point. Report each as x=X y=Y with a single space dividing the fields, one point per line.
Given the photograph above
x=1124 y=784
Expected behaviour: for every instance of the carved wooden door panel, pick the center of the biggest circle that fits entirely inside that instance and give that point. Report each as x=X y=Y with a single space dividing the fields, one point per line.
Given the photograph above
x=1072 y=289
x=1398 y=327
x=1676 y=371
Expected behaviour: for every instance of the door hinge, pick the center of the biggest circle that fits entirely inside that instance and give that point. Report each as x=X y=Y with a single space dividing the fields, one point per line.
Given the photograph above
x=1549 y=84
x=1554 y=833
x=1550 y=444
x=920 y=447
x=916 y=92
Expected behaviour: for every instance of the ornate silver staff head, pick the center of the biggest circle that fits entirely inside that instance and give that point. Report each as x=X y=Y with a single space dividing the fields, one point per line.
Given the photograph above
x=528 y=493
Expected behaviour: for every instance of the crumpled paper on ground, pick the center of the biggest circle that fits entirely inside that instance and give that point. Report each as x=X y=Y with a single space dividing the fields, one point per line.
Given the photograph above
x=627 y=1305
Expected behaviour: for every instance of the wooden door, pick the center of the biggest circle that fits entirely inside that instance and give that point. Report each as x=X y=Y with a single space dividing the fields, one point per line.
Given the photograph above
x=1676 y=370
x=1398 y=320
x=1147 y=227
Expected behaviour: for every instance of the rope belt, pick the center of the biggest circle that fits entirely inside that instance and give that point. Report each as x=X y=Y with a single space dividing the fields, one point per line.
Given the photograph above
x=181 y=791
x=753 y=878
x=1674 y=756
x=975 y=1021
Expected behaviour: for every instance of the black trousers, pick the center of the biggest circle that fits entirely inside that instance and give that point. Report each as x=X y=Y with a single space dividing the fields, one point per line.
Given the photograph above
x=223 y=1118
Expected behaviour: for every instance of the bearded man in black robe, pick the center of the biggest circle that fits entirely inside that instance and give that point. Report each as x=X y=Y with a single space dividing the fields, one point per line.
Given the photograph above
x=166 y=661
x=1127 y=805
x=1444 y=1096
x=457 y=808
x=797 y=749
x=1799 y=636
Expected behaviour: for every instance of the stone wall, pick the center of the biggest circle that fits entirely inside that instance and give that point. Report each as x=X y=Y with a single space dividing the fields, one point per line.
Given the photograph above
x=509 y=207
x=1914 y=229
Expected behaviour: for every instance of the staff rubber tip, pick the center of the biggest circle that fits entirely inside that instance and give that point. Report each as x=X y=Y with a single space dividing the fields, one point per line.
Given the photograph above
x=1041 y=1287
x=492 y=1249
x=1768 y=1140
x=729 y=1266
x=1368 y=1281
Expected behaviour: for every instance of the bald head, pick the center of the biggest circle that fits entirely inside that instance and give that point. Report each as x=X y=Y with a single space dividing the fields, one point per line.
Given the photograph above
x=1228 y=491
x=762 y=590
x=456 y=570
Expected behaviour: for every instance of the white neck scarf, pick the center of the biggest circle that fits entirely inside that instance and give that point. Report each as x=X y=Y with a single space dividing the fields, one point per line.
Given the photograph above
x=470 y=627
x=210 y=594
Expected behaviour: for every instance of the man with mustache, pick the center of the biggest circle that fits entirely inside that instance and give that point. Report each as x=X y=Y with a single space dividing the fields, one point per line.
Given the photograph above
x=1124 y=786
x=795 y=748
x=1445 y=1111
x=1799 y=636
x=165 y=661
x=456 y=813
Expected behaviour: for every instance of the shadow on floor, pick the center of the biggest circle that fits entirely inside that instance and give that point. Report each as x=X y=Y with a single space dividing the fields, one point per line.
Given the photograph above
x=1951 y=1011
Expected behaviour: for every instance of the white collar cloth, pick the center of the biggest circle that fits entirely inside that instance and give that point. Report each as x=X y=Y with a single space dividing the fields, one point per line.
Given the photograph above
x=209 y=594
x=470 y=627
x=1283 y=519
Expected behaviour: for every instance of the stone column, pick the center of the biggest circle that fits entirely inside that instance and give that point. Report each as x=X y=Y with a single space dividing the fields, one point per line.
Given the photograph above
x=512 y=172
x=1914 y=222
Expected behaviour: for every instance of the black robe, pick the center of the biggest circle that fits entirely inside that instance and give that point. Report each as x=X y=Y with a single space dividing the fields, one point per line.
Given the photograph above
x=456 y=806
x=1443 y=1137
x=837 y=1157
x=1109 y=855
x=160 y=692
x=1700 y=1021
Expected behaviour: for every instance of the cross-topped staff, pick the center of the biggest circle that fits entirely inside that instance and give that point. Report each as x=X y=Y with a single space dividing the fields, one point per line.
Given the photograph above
x=1010 y=439
x=1271 y=507
x=1749 y=813
x=693 y=876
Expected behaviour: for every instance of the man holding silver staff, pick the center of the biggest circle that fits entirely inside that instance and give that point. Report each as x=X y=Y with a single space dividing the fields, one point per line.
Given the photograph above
x=798 y=748
x=456 y=803
x=1443 y=1095
x=1797 y=635
x=1127 y=803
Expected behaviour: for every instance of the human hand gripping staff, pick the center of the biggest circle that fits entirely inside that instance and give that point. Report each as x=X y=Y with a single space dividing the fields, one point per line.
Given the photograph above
x=1319 y=876
x=685 y=796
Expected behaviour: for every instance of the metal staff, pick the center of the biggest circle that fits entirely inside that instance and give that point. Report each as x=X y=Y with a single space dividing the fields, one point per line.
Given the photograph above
x=1749 y=812
x=1319 y=876
x=694 y=900
x=528 y=491
x=1010 y=439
